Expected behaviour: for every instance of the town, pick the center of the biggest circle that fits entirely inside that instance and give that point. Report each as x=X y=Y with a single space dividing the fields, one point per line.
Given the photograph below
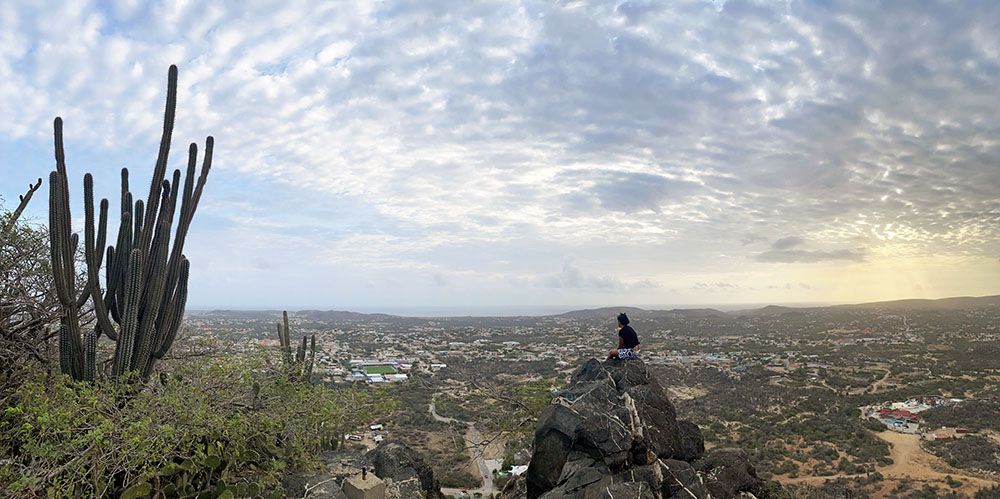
x=822 y=398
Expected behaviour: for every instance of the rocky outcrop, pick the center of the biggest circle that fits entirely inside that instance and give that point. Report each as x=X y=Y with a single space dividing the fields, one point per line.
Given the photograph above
x=613 y=432
x=404 y=471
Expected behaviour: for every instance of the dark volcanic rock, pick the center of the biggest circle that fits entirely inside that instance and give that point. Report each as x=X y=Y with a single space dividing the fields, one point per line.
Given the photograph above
x=692 y=441
x=613 y=432
x=515 y=488
x=727 y=472
x=399 y=463
x=680 y=480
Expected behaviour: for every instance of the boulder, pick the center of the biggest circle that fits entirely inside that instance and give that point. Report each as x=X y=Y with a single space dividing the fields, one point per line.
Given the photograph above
x=515 y=489
x=396 y=463
x=613 y=432
x=405 y=489
x=680 y=480
x=728 y=472
x=691 y=440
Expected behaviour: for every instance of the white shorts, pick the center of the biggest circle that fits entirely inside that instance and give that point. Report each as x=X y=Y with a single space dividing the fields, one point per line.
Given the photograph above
x=627 y=353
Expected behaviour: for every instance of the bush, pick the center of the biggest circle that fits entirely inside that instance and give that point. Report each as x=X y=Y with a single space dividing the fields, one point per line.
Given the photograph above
x=214 y=428
x=28 y=305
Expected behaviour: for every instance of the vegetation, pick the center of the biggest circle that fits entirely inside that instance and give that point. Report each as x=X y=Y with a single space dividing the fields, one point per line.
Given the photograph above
x=28 y=305
x=301 y=365
x=228 y=426
x=971 y=452
x=213 y=425
x=975 y=415
x=146 y=278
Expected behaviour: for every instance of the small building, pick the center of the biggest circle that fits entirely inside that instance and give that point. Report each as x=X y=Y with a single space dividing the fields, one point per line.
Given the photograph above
x=898 y=415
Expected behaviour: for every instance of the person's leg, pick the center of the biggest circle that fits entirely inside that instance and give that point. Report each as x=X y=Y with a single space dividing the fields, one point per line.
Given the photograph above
x=612 y=354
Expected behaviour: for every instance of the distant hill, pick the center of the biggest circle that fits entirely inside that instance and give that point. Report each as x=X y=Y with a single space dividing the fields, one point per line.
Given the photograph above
x=955 y=303
x=774 y=310
x=235 y=314
x=604 y=312
x=339 y=315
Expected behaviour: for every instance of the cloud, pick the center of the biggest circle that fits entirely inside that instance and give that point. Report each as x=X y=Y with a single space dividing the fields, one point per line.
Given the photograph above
x=787 y=243
x=572 y=277
x=751 y=239
x=807 y=256
x=713 y=287
x=626 y=192
x=430 y=134
x=440 y=279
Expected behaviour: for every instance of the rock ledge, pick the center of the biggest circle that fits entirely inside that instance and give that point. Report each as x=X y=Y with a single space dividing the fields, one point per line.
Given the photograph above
x=613 y=432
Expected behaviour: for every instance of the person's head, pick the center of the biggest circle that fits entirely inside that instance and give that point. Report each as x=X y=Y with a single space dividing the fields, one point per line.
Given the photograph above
x=622 y=319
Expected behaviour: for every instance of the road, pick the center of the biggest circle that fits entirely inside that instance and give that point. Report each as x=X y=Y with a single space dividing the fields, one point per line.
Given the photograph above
x=473 y=439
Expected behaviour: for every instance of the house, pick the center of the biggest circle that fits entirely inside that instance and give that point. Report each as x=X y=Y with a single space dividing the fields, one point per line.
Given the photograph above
x=898 y=415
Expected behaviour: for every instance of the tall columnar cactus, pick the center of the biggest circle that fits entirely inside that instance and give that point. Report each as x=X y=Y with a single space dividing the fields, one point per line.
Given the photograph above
x=146 y=274
x=301 y=365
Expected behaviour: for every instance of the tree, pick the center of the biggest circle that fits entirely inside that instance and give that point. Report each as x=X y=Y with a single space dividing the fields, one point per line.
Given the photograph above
x=28 y=306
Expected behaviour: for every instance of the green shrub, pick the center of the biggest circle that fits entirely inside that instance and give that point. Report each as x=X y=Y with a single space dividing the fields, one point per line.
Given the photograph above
x=212 y=428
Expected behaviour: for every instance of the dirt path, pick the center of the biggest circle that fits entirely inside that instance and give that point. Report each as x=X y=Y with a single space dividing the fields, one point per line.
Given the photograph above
x=910 y=460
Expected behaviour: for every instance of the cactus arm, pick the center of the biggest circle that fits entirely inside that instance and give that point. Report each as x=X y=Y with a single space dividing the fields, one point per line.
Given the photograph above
x=109 y=297
x=161 y=161
x=173 y=265
x=55 y=241
x=64 y=351
x=64 y=215
x=206 y=166
x=93 y=245
x=137 y=216
x=94 y=256
x=176 y=312
x=89 y=356
x=152 y=298
x=312 y=357
x=126 y=340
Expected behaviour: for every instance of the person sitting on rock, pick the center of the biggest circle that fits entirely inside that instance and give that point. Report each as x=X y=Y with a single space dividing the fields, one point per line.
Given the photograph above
x=628 y=341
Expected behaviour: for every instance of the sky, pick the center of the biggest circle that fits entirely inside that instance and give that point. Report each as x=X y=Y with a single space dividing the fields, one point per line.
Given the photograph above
x=379 y=155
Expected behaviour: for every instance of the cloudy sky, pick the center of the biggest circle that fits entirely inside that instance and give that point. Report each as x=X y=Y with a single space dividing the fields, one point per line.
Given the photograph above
x=390 y=154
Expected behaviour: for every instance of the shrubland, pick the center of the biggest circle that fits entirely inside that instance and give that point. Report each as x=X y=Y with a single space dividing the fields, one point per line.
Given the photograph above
x=209 y=427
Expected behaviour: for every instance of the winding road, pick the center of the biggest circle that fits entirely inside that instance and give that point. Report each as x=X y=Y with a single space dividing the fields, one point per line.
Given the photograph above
x=473 y=439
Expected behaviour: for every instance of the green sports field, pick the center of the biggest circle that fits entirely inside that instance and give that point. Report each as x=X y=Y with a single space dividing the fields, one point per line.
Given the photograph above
x=379 y=370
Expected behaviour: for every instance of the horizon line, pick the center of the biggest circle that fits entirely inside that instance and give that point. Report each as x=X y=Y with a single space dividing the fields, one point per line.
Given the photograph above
x=542 y=310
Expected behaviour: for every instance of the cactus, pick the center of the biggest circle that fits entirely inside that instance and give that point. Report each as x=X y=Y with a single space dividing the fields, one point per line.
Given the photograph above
x=145 y=272
x=301 y=365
